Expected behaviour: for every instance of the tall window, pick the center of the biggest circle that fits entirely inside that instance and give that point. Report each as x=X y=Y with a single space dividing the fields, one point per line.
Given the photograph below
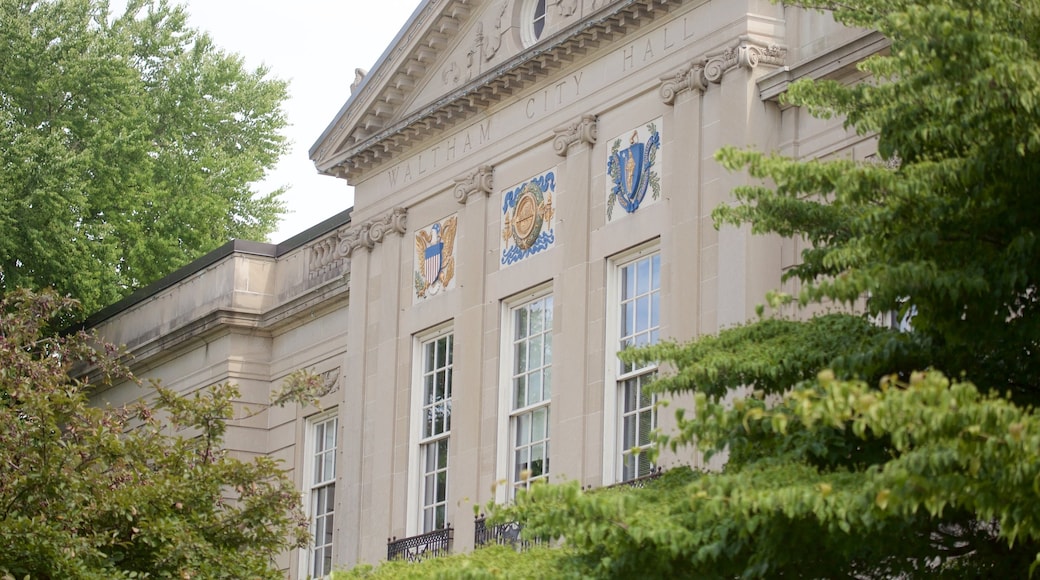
x=436 y=427
x=639 y=325
x=531 y=390
x=322 y=494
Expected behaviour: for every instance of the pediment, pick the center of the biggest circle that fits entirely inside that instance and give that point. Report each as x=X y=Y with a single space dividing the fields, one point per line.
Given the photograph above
x=455 y=58
x=404 y=75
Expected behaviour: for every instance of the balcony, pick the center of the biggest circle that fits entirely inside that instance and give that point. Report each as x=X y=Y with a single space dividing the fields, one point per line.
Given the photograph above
x=506 y=534
x=424 y=546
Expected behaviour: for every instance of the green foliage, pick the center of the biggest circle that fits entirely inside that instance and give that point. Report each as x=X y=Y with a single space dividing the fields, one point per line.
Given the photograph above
x=953 y=452
x=130 y=141
x=947 y=222
x=489 y=562
x=132 y=492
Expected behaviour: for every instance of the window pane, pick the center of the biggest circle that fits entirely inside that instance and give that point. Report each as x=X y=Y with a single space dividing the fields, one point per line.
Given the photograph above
x=431 y=358
x=628 y=319
x=537 y=460
x=521 y=357
x=520 y=324
x=537 y=318
x=428 y=389
x=523 y=429
x=442 y=453
x=329 y=527
x=534 y=388
x=522 y=460
x=330 y=435
x=539 y=19
x=442 y=353
x=520 y=391
x=642 y=276
x=330 y=467
x=539 y=427
x=535 y=351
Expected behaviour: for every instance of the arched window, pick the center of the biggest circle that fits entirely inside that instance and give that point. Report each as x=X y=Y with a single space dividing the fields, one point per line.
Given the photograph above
x=532 y=19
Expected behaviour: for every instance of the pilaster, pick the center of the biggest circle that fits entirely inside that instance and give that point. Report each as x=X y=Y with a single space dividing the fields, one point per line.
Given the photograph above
x=471 y=191
x=570 y=421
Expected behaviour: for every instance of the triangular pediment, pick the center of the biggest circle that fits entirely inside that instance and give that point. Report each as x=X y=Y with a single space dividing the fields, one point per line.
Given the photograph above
x=403 y=78
x=455 y=58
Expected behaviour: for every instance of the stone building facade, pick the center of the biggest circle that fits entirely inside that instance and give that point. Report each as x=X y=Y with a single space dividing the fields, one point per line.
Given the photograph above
x=534 y=181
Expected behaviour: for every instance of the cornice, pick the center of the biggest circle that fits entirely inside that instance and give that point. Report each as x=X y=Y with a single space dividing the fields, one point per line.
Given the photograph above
x=581 y=131
x=827 y=64
x=373 y=142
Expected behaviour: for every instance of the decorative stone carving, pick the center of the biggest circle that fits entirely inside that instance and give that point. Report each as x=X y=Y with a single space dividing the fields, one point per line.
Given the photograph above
x=493 y=41
x=359 y=75
x=329 y=382
x=581 y=131
x=478 y=181
x=688 y=78
x=567 y=7
x=323 y=255
x=332 y=251
x=349 y=240
x=393 y=221
x=748 y=53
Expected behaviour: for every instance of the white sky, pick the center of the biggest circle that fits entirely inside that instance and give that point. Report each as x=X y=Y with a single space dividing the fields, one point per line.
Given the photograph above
x=315 y=45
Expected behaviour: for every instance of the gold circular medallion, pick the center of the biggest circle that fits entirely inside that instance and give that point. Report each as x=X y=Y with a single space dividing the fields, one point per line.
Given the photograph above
x=526 y=210
x=527 y=220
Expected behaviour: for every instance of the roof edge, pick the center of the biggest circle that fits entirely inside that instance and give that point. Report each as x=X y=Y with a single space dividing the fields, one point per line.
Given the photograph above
x=243 y=247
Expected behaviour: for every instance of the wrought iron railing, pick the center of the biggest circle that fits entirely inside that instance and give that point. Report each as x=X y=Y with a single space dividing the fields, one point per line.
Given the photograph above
x=424 y=546
x=507 y=533
x=640 y=481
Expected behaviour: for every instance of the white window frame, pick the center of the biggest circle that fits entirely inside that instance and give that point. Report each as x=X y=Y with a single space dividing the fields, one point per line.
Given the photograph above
x=614 y=375
x=509 y=415
x=531 y=18
x=312 y=487
x=418 y=441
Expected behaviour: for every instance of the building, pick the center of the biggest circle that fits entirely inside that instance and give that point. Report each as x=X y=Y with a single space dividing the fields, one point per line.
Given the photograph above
x=533 y=184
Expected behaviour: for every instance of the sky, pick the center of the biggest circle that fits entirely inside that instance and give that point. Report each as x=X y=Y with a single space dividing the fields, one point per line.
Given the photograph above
x=315 y=45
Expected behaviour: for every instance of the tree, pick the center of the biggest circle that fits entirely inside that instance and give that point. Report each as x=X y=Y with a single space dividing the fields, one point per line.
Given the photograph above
x=130 y=141
x=848 y=460
x=132 y=492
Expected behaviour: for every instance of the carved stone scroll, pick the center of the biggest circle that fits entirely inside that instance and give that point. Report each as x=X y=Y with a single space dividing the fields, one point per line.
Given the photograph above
x=747 y=53
x=335 y=249
x=392 y=221
x=581 y=131
x=689 y=77
x=478 y=181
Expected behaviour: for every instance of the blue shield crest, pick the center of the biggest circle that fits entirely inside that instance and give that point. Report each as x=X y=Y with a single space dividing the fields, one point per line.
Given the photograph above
x=631 y=170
